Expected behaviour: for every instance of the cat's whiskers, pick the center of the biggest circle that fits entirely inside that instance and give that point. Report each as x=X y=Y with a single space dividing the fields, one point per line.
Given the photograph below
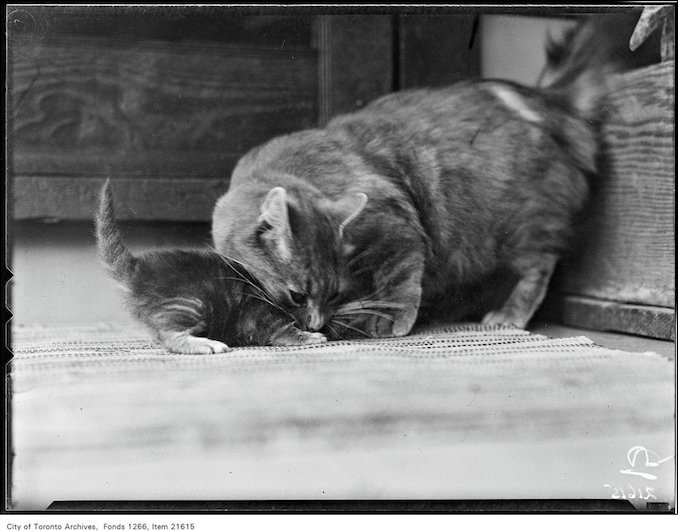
x=356 y=313
x=363 y=269
x=243 y=278
x=263 y=294
x=253 y=296
x=249 y=283
x=373 y=294
x=346 y=325
x=364 y=306
x=357 y=257
x=368 y=304
x=334 y=330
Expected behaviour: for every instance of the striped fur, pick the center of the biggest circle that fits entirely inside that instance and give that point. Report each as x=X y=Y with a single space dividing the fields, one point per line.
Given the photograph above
x=111 y=248
x=194 y=302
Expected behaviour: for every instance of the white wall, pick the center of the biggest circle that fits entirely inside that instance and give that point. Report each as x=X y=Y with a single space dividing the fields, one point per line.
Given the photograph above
x=512 y=47
x=57 y=278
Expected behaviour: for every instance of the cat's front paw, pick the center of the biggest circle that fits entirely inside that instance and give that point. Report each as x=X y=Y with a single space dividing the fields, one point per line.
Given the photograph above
x=404 y=321
x=398 y=325
x=311 y=338
x=182 y=343
x=503 y=318
x=293 y=336
x=380 y=327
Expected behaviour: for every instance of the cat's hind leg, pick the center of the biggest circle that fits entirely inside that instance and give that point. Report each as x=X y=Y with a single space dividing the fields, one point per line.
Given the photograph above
x=185 y=343
x=528 y=293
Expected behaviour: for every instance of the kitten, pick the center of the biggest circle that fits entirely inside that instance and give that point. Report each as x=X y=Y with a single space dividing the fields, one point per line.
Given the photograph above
x=194 y=302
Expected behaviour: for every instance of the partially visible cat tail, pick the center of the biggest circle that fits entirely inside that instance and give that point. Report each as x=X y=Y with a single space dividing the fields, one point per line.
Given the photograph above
x=588 y=93
x=582 y=63
x=111 y=247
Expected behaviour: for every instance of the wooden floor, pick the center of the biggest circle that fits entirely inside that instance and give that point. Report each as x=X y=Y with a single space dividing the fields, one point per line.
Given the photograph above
x=446 y=414
x=612 y=340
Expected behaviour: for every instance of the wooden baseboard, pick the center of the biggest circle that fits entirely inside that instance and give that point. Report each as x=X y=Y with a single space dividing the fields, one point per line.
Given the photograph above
x=585 y=312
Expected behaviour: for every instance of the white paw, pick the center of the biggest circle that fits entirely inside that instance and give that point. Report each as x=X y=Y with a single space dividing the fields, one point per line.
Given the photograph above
x=187 y=344
x=214 y=346
x=498 y=317
x=310 y=338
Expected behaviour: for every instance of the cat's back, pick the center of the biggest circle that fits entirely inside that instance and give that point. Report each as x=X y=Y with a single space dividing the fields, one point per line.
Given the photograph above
x=462 y=107
x=478 y=160
x=484 y=145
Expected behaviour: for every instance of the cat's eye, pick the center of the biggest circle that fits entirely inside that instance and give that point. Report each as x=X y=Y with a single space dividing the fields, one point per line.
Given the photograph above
x=297 y=298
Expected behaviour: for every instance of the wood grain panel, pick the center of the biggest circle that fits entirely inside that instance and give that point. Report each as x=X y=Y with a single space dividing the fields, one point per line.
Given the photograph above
x=76 y=198
x=585 y=312
x=437 y=50
x=215 y=23
x=85 y=106
x=627 y=252
x=355 y=63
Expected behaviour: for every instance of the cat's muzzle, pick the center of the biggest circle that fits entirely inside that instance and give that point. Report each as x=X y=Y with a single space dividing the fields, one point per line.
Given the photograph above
x=314 y=320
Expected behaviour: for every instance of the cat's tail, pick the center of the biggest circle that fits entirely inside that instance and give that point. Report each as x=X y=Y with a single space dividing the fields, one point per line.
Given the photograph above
x=581 y=65
x=589 y=95
x=111 y=248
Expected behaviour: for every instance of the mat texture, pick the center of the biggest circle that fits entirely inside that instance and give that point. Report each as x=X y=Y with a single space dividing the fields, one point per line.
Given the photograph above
x=102 y=398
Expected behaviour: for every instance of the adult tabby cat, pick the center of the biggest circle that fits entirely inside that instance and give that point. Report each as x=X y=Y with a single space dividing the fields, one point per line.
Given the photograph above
x=194 y=302
x=467 y=188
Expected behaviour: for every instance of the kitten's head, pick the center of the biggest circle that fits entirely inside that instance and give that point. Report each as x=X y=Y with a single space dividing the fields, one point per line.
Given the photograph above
x=295 y=248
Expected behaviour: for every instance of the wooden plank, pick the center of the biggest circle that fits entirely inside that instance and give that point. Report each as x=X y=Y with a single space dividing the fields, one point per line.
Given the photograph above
x=76 y=198
x=585 y=312
x=85 y=106
x=627 y=249
x=101 y=162
x=611 y=340
x=438 y=50
x=275 y=27
x=355 y=61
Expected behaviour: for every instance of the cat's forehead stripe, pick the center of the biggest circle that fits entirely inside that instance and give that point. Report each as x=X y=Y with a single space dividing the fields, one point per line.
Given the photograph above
x=515 y=102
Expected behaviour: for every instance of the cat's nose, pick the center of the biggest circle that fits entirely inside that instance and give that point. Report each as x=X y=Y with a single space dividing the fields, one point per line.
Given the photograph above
x=314 y=320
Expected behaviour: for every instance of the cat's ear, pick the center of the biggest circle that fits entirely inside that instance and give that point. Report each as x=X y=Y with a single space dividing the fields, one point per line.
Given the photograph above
x=274 y=223
x=349 y=208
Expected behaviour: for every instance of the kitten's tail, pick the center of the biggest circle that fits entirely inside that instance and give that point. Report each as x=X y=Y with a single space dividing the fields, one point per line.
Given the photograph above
x=111 y=248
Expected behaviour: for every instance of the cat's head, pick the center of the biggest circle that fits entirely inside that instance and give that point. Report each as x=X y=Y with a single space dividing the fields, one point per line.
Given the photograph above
x=294 y=246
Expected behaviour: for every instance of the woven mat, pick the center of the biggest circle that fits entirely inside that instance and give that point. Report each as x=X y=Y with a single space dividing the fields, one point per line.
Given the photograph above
x=424 y=378
x=106 y=391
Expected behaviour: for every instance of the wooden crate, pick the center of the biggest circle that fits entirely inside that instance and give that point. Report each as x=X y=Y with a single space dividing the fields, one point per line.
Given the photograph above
x=621 y=275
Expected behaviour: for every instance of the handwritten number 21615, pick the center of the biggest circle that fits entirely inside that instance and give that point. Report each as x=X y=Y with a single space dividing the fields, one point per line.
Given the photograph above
x=619 y=493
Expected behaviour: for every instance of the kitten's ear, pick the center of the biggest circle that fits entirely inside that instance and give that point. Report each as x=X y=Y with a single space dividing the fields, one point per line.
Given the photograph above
x=274 y=222
x=349 y=208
